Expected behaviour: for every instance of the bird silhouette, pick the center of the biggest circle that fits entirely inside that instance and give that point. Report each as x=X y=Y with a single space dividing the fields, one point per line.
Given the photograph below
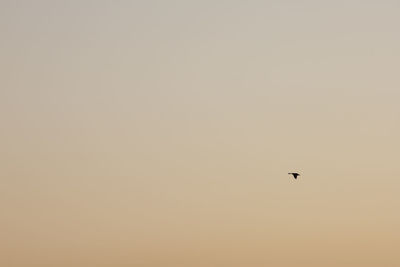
x=295 y=174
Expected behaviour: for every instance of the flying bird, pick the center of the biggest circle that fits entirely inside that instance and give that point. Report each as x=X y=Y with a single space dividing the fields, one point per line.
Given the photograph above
x=295 y=174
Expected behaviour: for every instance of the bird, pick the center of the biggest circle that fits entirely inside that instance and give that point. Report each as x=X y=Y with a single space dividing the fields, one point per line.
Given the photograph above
x=295 y=174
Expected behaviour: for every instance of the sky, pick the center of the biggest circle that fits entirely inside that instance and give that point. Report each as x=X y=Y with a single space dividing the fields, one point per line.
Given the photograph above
x=161 y=133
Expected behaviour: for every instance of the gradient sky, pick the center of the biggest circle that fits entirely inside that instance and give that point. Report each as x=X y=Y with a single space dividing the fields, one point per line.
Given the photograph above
x=160 y=133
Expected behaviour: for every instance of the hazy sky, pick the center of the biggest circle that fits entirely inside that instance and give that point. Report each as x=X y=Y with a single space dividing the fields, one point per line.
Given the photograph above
x=160 y=133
